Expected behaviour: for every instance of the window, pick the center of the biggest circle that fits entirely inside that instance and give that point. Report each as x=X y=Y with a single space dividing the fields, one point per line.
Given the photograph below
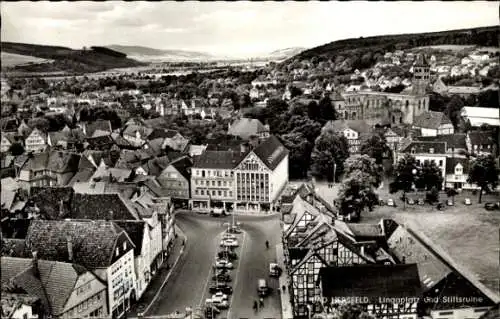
x=124 y=245
x=230 y=193
x=219 y=183
x=117 y=251
x=203 y=173
x=196 y=192
x=213 y=193
x=440 y=162
x=220 y=193
x=196 y=182
x=225 y=193
x=202 y=192
x=213 y=183
x=431 y=150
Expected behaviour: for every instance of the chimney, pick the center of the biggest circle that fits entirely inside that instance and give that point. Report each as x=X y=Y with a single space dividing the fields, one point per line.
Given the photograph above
x=34 y=264
x=69 y=241
x=243 y=148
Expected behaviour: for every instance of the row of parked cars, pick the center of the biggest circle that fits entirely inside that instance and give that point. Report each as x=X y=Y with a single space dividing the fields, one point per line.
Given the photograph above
x=220 y=287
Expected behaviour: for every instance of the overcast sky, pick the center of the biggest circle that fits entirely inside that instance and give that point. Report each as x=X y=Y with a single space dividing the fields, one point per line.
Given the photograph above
x=238 y=28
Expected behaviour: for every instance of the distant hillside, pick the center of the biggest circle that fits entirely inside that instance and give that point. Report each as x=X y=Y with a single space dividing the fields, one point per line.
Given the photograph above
x=94 y=59
x=148 y=54
x=12 y=60
x=285 y=53
x=483 y=36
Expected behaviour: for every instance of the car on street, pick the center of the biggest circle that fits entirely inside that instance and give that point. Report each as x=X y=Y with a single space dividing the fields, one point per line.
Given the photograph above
x=274 y=270
x=449 y=202
x=390 y=202
x=227 y=254
x=234 y=230
x=219 y=296
x=492 y=206
x=229 y=243
x=421 y=201
x=222 y=278
x=221 y=287
x=228 y=236
x=229 y=224
x=216 y=212
x=222 y=304
x=467 y=201
x=410 y=201
x=223 y=263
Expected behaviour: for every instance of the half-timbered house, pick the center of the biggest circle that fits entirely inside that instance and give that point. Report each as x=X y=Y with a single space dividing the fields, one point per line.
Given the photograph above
x=384 y=291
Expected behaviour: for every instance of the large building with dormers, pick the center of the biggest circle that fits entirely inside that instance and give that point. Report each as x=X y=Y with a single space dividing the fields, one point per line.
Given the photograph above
x=248 y=180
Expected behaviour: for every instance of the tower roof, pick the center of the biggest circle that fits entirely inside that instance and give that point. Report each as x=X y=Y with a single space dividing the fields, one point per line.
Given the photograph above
x=421 y=60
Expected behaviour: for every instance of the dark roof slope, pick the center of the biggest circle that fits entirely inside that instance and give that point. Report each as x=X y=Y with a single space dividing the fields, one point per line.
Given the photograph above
x=453 y=161
x=372 y=281
x=135 y=230
x=425 y=147
x=100 y=206
x=271 y=152
x=183 y=166
x=93 y=241
x=218 y=159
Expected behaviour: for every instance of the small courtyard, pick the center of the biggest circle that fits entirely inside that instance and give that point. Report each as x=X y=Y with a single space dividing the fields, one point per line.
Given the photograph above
x=468 y=233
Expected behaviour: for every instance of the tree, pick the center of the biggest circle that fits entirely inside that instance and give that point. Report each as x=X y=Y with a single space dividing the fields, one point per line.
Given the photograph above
x=330 y=149
x=484 y=173
x=366 y=165
x=453 y=108
x=40 y=123
x=326 y=110
x=376 y=148
x=356 y=193
x=429 y=176
x=300 y=153
x=295 y=91
x=16 y=149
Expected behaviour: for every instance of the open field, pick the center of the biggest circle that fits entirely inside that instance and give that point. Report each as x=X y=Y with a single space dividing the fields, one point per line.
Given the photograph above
x=469 y=234
x=12 y=59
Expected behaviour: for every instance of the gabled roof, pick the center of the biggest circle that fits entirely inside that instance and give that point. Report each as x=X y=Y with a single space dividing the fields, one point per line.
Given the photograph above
x=271 y=152
x=406 y=248
x=372 y=281
x=425 y=147
x=132 y=130
x=101 y=125
x=359 y=126
x=56 y=161
x=246 y=127
x=310 y=254
x=431 y=120
x=93 y=241
x=102 y=142
x=456 y=141
x=53 y=286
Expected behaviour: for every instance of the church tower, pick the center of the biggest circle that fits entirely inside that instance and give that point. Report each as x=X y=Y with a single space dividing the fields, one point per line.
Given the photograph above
x=421 y=75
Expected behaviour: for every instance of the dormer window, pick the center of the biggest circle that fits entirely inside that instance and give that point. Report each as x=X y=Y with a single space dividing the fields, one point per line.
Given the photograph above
x=124 y=246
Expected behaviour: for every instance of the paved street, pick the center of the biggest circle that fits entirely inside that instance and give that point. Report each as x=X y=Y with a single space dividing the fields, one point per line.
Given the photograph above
x=187 y=286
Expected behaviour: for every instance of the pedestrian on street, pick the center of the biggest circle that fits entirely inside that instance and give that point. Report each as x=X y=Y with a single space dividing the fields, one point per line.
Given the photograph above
x=283 y=288
x=255 y=305
x=261 y=302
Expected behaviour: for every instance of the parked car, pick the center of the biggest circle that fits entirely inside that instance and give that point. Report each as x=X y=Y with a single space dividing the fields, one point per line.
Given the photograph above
x=421 y=201
x=410 y=201
x=229 y=224
x=274 y=270
x=390 y=202
x=216 y=212
x=229 y=243
x=449 y=202
x=492 y=206
x=228 y=236
x=222 y=277
x=234 y=230
x=221 y=287
x=223 y=263
x=467 y=201
x=227 y=254
x=219 y=297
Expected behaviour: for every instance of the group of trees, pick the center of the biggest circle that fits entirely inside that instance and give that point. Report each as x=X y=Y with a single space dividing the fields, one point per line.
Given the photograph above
x=298 y=124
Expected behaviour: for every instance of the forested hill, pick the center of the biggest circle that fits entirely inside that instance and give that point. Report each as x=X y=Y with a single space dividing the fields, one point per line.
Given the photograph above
x=483 y=36
x=92 y=59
